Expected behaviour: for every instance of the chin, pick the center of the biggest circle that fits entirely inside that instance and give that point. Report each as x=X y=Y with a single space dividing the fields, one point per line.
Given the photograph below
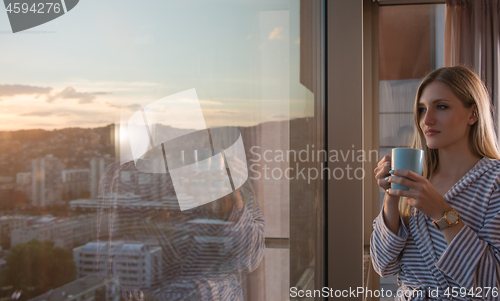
x=432 y=145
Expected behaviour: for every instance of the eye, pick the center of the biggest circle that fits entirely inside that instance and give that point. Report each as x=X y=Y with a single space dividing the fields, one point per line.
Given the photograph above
x=442 y=107
x=421 y=110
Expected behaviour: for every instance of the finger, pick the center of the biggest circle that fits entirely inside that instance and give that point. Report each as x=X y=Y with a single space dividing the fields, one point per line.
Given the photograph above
x=408 y=174
x=384 y=160
x=381 y=175
x=386 y=167
x=411 y=202
x=403 y=181
x=383 y=184
x=237 y=200
x=399 y=192
x=383 y=172
x=383 y=167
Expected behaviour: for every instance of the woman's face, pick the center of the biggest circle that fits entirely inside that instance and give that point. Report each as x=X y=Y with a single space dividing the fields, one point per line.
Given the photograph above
x=444 y=120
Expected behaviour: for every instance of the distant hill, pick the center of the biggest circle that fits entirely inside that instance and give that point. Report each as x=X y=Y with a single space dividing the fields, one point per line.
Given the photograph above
x=74 y=146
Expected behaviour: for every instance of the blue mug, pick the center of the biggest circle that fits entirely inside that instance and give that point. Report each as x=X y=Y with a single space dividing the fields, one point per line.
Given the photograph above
x=407 y=158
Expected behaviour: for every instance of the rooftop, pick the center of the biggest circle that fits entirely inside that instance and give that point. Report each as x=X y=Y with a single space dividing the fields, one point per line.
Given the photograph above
x=73 y=289
x=117 y=247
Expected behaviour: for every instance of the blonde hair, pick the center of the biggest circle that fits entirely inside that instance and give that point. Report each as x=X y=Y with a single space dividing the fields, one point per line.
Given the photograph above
x=471 y=91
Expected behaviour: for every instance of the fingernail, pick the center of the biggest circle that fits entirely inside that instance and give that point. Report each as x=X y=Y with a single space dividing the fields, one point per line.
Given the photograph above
x=387 y=190
x=387 y=178
x=391 y=171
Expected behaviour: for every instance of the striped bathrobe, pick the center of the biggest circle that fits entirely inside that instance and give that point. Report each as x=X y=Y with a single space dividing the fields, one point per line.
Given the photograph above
x=204 y=257
x=421 y=257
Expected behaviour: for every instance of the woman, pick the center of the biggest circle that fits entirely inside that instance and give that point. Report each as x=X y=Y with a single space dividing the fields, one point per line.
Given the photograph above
x=443 y=240
x=206 y=251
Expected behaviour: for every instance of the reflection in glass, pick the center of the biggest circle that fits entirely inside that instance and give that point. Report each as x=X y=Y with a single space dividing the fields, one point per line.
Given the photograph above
x=164 y=253
x=254 y=65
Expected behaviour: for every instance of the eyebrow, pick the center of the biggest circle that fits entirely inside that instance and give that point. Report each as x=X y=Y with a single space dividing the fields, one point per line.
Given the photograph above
x=433 y=102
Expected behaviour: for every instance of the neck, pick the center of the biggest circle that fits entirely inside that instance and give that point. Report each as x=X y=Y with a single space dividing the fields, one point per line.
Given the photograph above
x=456 y=162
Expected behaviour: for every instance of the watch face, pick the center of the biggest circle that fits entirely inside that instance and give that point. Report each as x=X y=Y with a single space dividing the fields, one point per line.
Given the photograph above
x=451 y=217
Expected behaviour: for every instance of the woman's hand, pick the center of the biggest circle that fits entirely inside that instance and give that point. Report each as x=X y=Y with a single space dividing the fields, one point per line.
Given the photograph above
x=421 y=194
x=237 y=199
x=382 y=171
x=238 y=173
x=391 y=211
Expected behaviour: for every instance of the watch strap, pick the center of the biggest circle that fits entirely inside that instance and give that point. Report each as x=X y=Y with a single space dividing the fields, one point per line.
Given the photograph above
x=443 y=222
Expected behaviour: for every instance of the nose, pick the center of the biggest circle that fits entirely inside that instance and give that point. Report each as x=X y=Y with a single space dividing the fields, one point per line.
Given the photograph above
x=429 y=118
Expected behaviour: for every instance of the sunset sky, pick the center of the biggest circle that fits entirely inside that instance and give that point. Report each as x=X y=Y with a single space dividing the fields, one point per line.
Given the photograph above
x=104 y=60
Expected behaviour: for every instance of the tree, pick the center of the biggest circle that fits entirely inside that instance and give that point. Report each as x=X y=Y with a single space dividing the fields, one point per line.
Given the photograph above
x=36 y=267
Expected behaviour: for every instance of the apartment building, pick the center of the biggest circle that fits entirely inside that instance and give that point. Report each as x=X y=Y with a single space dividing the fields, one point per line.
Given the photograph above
x=23 y=183
x=46 y=181
x=9 y=224
x=136 y=265
x=97 y=167
x=58 y=230
x=75 y=183
x=64 y=232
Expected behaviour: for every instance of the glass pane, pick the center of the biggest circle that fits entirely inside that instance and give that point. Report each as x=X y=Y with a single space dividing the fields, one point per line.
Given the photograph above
x=411 y=41
x=154 y=151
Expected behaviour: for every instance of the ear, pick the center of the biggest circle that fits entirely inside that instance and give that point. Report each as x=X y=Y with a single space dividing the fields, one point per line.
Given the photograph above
x=474 y=117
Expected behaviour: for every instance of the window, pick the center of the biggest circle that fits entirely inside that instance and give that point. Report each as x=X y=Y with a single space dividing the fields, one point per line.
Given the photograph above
x=411 y=41
x=253 y=66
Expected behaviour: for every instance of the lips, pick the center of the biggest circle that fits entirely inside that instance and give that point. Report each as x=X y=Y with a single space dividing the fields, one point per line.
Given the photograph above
x=431 y=132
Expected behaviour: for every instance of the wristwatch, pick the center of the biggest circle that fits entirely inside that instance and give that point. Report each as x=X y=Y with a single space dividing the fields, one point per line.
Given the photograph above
x=450 y=218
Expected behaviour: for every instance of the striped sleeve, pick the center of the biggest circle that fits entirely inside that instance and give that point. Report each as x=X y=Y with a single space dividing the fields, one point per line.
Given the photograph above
x=248 y=239
x=386 y=247
x=473 y=259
